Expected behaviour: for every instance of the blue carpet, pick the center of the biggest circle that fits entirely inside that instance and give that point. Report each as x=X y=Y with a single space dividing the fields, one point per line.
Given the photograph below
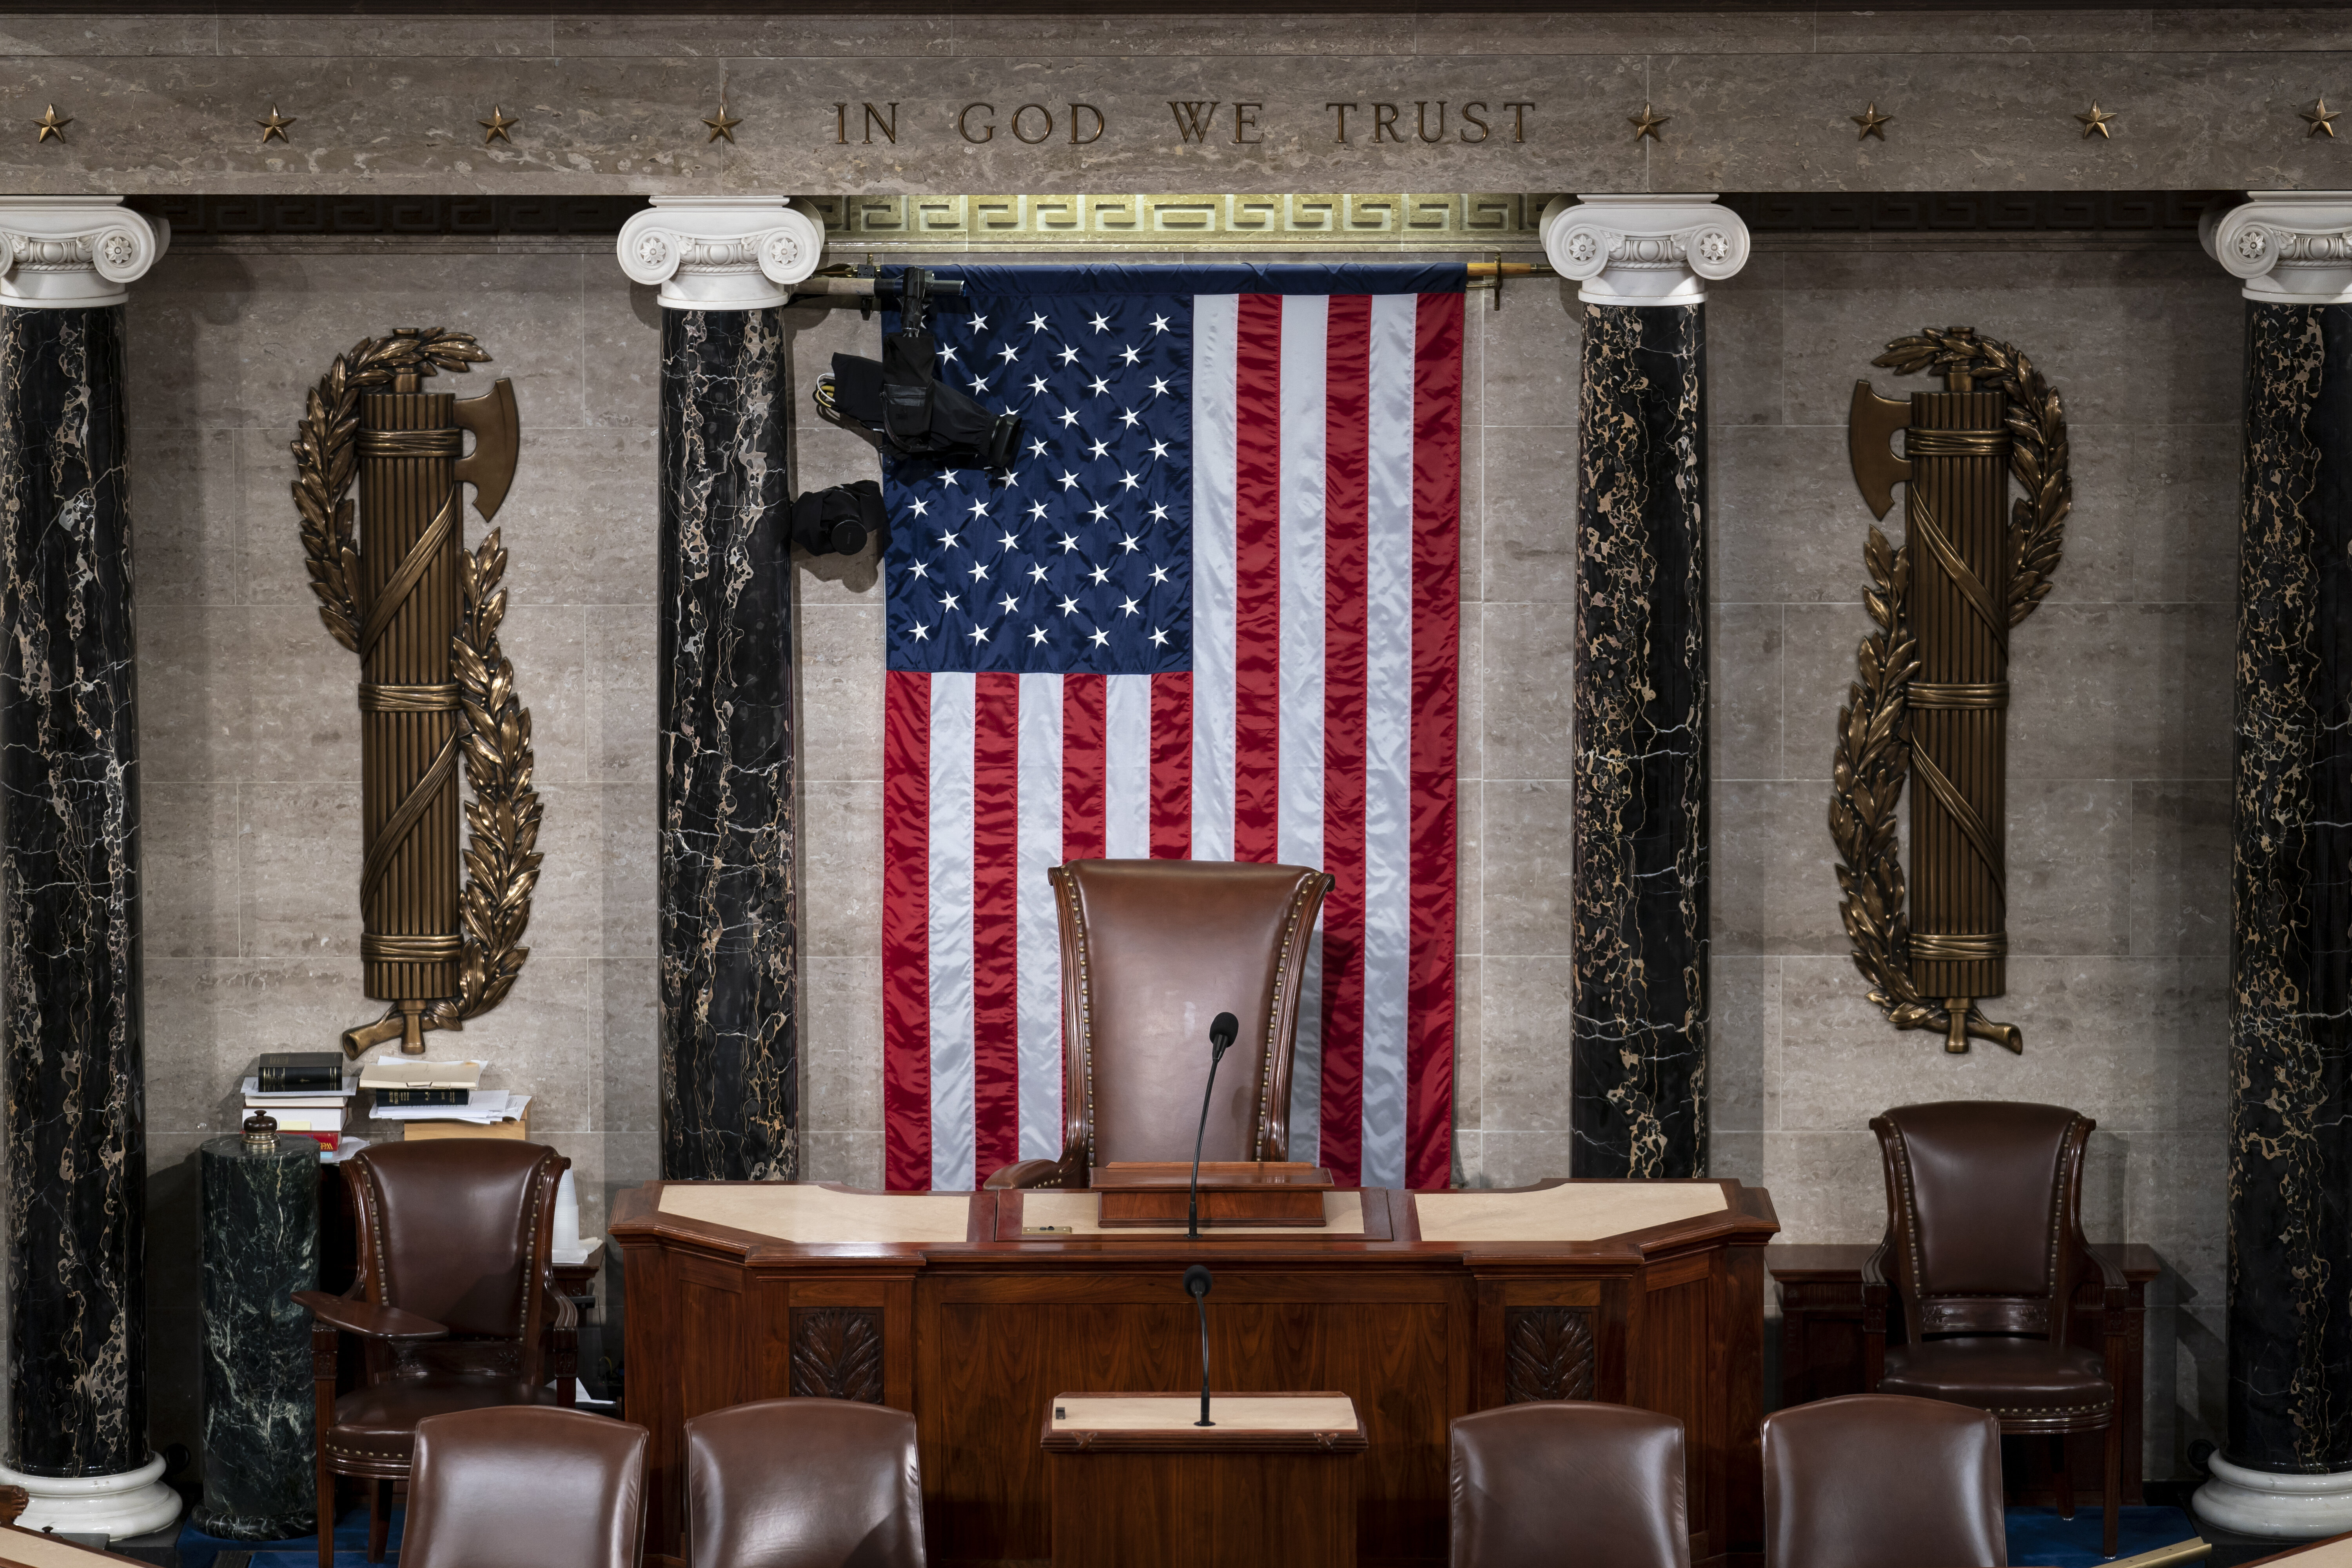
x=2038 y=1538
x=197 y=1550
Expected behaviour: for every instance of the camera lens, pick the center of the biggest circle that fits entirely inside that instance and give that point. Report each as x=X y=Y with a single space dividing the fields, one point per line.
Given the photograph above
x=849 y=539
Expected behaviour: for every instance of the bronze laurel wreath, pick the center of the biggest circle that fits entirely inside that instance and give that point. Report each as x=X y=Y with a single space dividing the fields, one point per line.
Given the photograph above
x=502 y=819
x=1874 y=749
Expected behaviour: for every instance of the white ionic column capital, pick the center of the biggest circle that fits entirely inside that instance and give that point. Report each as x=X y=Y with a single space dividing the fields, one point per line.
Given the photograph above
x=2293 y=248
x=720 y=253
x=73 y=253
x=1643 y=250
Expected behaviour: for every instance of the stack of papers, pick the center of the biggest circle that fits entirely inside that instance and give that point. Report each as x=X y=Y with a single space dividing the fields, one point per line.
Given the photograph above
x=488 y=1105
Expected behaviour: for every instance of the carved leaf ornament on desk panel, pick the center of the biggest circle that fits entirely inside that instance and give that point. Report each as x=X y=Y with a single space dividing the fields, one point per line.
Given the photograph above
x=1547 y=1354
x=838 y=1353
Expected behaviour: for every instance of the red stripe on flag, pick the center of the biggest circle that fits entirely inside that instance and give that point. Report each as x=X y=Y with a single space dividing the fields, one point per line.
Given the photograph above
x=995 y=921
x=1346 y=392
x=905 y=930
x=1257 y=574
x=1436 y=667
x=1171 y=765
x=1084 y=766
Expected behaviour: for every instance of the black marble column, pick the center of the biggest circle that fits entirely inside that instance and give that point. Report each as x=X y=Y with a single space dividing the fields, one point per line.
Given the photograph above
x=69 y=1038
x=1639 y=1027
x=2290 y=1192
x=261 y=1245
x=729 y=935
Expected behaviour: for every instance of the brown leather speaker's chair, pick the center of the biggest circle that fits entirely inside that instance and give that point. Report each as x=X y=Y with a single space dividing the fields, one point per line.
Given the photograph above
x=803 y=1483
x=1876 y=1480
x=453 y=1305
x=1151 y=952
x=526 y=1487
x=1983 y=1256
x=1568 y=1481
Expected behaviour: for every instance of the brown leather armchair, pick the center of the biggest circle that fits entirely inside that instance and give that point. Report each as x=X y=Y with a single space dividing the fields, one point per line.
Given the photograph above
x=1876 y=1480
x=1570 y=1480
x=1151 y=952
x=803 y=1483
x=1983 y=1256
x=520 y=1486
x=453 y=1305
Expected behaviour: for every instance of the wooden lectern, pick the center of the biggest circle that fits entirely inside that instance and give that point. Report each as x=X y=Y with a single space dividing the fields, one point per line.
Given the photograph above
x=1137 y=1483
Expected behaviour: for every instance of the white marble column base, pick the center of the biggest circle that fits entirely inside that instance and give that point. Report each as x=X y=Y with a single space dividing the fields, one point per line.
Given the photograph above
x=2271 y=1506
x=135 y=1503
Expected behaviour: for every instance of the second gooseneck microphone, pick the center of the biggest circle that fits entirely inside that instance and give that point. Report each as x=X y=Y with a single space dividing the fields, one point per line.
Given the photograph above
x=1196 y=1285
x=1222 y=1030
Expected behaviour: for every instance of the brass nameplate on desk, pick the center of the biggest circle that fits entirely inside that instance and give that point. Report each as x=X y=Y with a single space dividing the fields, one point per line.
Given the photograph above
x=1232 y=1193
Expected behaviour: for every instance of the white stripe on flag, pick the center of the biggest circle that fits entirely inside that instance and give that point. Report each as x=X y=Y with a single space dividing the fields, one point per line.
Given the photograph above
x=1388 y=738
x=1299 y=822
x=1040 y=942
x=1127 y=767
x=1216 y=327
x=954 y=1110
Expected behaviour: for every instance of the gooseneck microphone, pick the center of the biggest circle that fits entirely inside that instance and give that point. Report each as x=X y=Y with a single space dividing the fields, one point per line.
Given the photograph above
x=1222 y=1030
x=1196 y=1285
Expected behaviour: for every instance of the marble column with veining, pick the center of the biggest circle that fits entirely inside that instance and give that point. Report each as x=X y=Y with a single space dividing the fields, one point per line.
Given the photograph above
x=2286 y=1469
x=1639 y=877
x=260 y=1247
x=729 y=953
x=71 y=1041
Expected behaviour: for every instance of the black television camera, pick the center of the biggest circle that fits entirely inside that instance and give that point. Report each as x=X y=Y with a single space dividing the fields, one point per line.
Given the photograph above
x=899 y=402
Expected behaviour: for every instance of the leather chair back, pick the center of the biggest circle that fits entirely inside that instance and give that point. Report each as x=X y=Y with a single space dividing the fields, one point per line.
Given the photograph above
x=459 y=1230
x=1568 y=1481
x=1877 y=1480
x=1985 y=1198
x=526 y=1487
x=803 y=1483
x=1151 y=952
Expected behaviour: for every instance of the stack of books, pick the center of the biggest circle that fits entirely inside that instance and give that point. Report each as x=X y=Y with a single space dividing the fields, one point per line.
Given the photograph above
x=307 y=1094
x=444 y=1100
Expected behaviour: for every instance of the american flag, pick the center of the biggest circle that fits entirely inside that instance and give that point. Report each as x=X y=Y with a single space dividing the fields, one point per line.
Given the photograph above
x=1211 y=611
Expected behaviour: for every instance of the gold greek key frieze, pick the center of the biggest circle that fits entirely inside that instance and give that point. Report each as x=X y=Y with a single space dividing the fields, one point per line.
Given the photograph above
x=1477 y=222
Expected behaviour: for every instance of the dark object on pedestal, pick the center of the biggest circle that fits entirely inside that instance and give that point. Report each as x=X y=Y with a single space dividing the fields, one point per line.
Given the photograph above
x=728 y=1072
x=1822 y=1346
x=455 y=1304
x=787 y=1481
x=1144 y=944
x=1875 y=1481
x=260 y=1247
x=1639 y=889
x=1479 y=1313
x=73 y=1057
x=1983 y=1254
x=526 y=1488
x=1529 y=1481
x=1272 y=1484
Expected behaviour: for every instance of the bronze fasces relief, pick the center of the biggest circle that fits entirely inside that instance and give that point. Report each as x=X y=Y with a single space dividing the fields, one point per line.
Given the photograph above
x=397 y=587
x=1930 y=699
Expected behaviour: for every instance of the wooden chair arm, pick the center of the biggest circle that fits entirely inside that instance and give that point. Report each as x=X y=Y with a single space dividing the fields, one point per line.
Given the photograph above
x=1875 y=1296
x=1032 y=1173
x=367 y=1319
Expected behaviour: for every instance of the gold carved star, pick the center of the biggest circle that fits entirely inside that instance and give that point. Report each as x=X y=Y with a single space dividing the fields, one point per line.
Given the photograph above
x=496 y=127
x=722 y=124
x=275 y=126
x=1872 y=124
x=2097 y=121
x=1646 y=123
x=52 y=124
x=2319 y=115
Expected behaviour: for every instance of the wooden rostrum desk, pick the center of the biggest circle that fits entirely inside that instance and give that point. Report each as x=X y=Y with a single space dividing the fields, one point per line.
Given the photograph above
x=962 y=1307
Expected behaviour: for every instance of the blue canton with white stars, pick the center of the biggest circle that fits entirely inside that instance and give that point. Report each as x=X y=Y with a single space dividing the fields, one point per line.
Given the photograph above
x=1077 y=558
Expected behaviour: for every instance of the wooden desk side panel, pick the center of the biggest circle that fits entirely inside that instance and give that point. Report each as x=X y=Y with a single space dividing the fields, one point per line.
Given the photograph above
x=1182 y=1511
x=993 y=1344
